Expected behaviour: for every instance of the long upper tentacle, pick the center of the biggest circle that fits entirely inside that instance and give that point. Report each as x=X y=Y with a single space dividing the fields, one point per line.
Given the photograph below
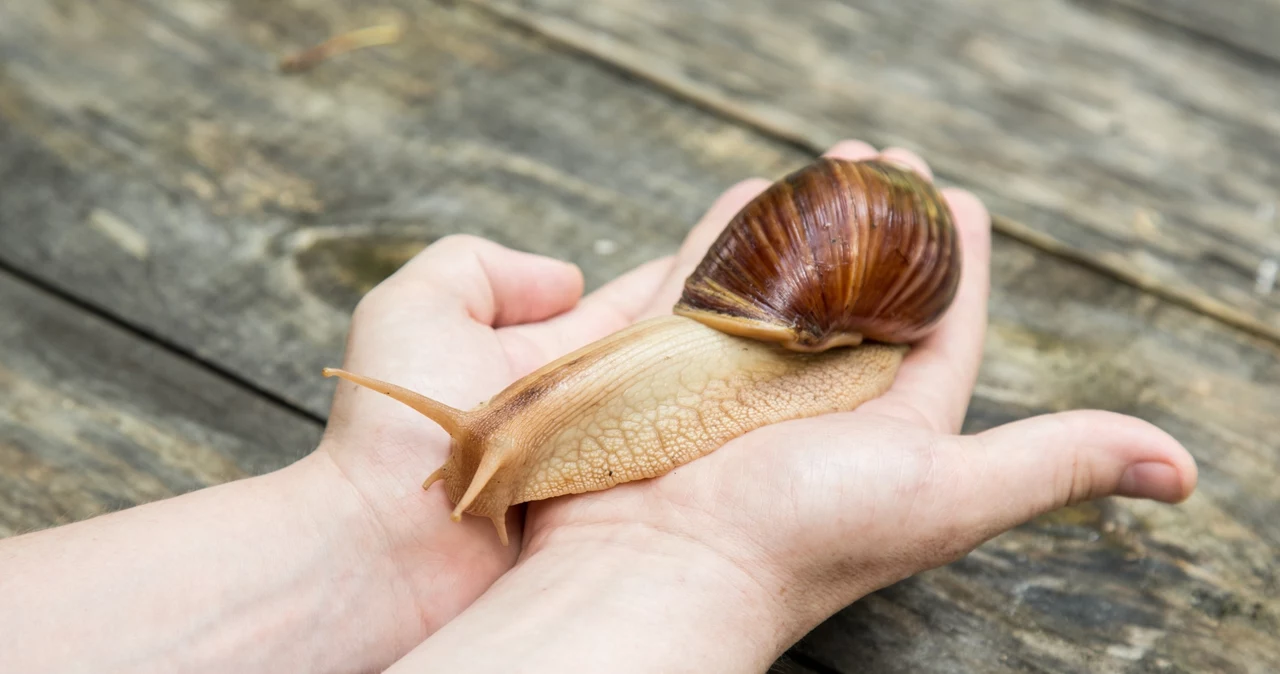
x=449 y=418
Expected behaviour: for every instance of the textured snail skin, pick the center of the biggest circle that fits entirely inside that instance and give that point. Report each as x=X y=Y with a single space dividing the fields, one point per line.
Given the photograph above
x=668 y=390
x=636 y=405
x=832 y=254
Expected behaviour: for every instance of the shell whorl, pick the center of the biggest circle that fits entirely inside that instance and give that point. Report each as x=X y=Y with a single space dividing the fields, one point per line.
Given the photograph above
x=834 y=253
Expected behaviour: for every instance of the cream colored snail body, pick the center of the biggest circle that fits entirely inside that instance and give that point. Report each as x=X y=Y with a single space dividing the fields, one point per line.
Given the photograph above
x=770 y=327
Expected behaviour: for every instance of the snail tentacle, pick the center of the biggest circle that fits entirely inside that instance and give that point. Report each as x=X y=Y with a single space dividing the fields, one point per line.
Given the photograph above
x=452 y=420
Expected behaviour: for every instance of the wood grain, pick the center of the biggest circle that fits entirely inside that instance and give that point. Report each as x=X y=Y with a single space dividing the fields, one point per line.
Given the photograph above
x=1250 y=26
x=1146 y=156
x=93 y=419
x=155 y=164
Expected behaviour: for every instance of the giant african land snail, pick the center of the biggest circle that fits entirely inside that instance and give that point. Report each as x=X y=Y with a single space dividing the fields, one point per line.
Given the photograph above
x=770 y=327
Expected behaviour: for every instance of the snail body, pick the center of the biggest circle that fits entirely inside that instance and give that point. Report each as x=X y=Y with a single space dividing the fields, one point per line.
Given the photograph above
x=804 y=306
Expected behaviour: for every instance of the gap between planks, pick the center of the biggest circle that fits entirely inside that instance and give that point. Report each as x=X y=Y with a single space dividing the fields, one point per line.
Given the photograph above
x=57 y=294
x=579 y=41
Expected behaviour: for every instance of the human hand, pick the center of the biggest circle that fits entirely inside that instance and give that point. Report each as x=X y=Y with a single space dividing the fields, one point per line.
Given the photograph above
x=338 y=562
x=459 y=322
x=799 y=519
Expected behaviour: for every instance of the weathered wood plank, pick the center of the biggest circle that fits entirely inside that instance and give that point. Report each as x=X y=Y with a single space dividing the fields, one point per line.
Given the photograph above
x=94 y=419
x=1248 y=25
x=1149 y=157
x=155 y=163
x=179 y=182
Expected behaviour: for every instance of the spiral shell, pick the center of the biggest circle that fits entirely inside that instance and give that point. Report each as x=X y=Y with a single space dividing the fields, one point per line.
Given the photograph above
x=832 y=254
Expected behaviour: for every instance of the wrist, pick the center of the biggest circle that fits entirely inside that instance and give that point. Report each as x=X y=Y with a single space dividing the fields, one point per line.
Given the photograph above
x=361 y=571
x=431 y=567
x=205 y=579
x=730 y=612
x=642 y=603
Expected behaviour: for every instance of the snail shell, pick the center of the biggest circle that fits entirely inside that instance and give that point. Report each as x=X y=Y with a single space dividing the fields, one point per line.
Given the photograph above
x=769 y=329
x=832 y=254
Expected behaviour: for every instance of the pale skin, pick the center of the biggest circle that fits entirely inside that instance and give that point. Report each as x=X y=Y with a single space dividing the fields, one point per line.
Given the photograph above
x=342 y=562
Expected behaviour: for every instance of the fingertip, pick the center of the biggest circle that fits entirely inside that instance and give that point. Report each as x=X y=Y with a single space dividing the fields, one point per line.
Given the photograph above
x=1166 y=470
x=1155 y=481
x=565 y=273
x=1061 y=459
x=575 y=278
x=851 y=150
x=1190 y=476
x=909 y=159
x=545 y=287
x=523 y=286
x=1155 y=464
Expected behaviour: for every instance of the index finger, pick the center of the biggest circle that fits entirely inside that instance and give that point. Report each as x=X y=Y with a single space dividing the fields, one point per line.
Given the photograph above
x=938 y=375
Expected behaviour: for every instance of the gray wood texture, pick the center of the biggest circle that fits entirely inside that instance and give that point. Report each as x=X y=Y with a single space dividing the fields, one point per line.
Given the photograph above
x=93 y=419
x=184 y=185
x=1250 y=26
x=1092 y=136
x=156 y=166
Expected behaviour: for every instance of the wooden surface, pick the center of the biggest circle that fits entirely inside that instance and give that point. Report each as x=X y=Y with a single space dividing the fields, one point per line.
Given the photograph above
x=1248 y=27
x=94 y=419
x=211 y=223
x=184 y=185
x=1097 y=137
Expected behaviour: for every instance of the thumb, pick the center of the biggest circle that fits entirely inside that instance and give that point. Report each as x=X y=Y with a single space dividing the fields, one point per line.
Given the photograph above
x=463 y=276
x=1041 y=464
x=428 y=327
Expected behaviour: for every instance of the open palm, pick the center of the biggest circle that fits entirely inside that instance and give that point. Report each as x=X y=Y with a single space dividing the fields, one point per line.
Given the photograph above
x=833 y=507
x=459 y=322
x=844 y=502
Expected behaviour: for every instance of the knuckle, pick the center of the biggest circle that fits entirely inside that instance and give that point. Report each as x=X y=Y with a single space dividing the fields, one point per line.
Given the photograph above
x=391 y=293
x=928 y=468
x=370 y=303
x=1077 y=483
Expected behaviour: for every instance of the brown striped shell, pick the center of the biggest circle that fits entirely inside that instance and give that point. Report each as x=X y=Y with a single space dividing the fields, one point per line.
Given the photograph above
x=834 y=253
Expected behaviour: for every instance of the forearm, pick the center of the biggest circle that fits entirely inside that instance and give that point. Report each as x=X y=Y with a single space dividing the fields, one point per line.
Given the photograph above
x=273 y=573
x=618 y=608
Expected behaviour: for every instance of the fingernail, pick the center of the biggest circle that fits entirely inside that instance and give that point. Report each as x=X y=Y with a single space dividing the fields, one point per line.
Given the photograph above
x=1151 y=480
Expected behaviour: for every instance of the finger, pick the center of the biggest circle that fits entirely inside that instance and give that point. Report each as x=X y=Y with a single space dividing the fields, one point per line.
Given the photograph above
x=937 y=377
x=492 y=284
x=626 y=296
x=852 y=150
x=412 y=328
x=909 y=159
x=612 y=307
x=699 y=239
x=1016 y=472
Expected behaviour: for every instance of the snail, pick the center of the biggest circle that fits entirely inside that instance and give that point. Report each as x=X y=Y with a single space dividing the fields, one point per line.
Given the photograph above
x=805 y=305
